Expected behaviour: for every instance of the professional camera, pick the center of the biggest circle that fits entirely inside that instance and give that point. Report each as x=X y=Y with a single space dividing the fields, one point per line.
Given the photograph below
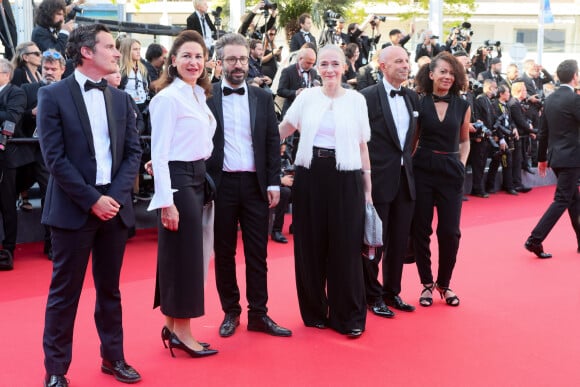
x=288 y=170
x=462 y=32
x=268 y=6
x=217 y=16
x=256 y=35
x=374 y=21
x=331 y=19
x=489 y=44
x=6 y=132
x=73 y=12
x=481 y=131
x=433 y=37
x=475 y=87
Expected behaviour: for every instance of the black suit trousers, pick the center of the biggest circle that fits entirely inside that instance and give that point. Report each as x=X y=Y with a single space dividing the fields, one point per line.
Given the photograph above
x=565 y=198
x=239 y=199
x=8 y=207
x=71 y=248
x=396 y=217
x=477 y=159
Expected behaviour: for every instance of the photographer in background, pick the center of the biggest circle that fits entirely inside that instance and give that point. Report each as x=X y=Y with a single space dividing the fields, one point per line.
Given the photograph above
x=506 y=134
x=429 y=46
x=12 y=105
x=51 y=30
x=286 y=181
x=256 y=30
x=272 y=54
x=356 y=34
x=525 y=132
x=459 y=39
x=494 y=72
x=255 y=74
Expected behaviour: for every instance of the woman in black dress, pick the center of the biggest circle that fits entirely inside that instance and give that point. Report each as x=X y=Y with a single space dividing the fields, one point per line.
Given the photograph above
x=439 y=165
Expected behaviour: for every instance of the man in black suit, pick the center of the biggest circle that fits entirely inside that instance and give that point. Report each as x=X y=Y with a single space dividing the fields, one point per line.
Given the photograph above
x=52 y=65
x=91 y=148
x=199 y=21
x=304 y=35
x=559 y=148
x=393 y=119
x=297 y=77
x=494 y=72
x=50 y=30
x=245 y=166
x=12 y=105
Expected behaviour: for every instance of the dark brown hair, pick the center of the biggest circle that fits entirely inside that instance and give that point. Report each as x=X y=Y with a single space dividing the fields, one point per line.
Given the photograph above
x=170 y=72
x=424 y=84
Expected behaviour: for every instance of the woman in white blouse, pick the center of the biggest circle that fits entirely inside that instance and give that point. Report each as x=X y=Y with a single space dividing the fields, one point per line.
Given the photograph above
x=181 y=141
x=331 y=185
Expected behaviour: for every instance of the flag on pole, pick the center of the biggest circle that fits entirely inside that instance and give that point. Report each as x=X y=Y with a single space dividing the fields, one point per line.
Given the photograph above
x=548 y=16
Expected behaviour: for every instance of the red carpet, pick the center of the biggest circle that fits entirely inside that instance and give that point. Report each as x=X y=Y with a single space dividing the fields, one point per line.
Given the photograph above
x=517 y=324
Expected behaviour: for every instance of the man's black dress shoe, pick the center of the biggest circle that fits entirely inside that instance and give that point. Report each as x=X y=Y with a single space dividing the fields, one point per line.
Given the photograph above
x=278 y=237
x=511 y=192
x=537 y=249
x=266 y=325
x=529 y=170
x=397 y=303
x=523 y=189
x=122 y=371
x=229 y=325
x=381 y=309
x=483 y=195
x=354 y=333
x=55 y=381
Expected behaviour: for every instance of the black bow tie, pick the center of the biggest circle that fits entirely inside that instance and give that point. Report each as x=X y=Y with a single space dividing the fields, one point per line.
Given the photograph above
x=229 y=91
x=305 y=71
x=394 y=92
x=446 y=98
x=102 y=85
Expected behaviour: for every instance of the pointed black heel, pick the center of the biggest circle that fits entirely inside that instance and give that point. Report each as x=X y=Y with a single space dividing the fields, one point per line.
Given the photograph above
x=166 y=335
x=174 y=342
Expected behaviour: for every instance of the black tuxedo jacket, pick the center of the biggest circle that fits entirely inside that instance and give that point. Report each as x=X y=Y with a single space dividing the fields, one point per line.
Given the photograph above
x=265 y=137
x=290 y=81
x=12 y=105
x=298 y=41
x=385 y=148
x=193 y=23
x=559 y=137
x=68 y=148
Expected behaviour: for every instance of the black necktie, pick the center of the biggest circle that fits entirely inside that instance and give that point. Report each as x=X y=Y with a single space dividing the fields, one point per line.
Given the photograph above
x=102 y=85
x=229 y=90
x=394 y=92
x=446 y=98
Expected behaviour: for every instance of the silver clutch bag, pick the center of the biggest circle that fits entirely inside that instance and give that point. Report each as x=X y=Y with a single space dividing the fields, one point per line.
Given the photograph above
x=373 y=232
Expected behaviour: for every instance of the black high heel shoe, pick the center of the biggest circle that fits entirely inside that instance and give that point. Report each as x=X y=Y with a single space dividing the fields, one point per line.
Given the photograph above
x=426 y=298
x=174 y=342
x=451 y=300
x=166 y=335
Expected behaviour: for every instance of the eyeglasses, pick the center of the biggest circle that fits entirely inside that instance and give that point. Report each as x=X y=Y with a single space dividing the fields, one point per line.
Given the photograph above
x=232 y=60
x=37 y=53
x=50 y=54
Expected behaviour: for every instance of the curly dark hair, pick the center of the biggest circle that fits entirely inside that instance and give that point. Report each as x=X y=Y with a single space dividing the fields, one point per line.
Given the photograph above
x=46 y=10
x=424 y=84
x=83 y=36
x=170 y=72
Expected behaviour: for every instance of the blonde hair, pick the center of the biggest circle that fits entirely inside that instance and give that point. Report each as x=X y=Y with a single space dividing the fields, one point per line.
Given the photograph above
x=127 y=63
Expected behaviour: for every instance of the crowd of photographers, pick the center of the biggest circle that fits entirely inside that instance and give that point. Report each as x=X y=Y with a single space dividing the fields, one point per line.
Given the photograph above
x=507 y=107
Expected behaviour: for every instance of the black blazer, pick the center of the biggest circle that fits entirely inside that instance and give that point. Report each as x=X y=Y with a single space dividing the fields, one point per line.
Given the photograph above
x=385 y=148
x=45 y=39
x=559 y=137
x=12 y=106
x=290 y=81
x=67 y=145
x=265 y=137
x=298 y=41
x=193 y=23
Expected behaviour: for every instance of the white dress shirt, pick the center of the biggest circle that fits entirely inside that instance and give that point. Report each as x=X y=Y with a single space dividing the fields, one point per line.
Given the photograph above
x=205 y=29
x=95 y=102
x=238 y=148
x=182 y=128
x=400 y=113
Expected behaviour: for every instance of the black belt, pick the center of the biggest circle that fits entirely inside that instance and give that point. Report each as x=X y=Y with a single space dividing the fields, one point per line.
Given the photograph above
x=103 y=188
x=323 y=152
x=438 y=152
